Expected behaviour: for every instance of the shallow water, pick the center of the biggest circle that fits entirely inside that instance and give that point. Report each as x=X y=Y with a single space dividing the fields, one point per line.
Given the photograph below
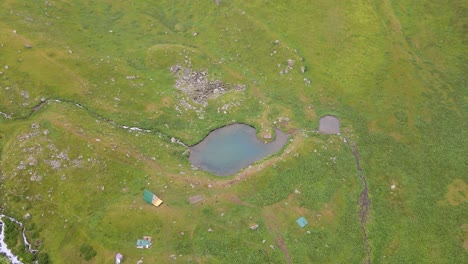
x=329 y=125
x=227 y=150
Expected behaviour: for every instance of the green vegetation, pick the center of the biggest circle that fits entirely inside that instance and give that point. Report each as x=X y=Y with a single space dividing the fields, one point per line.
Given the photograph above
x=4 y=260
x=393 y=72
x=87 y=251
x=43 y=258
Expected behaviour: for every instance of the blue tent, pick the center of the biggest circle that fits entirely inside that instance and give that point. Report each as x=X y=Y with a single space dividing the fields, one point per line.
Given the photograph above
x=302 y=221
x=143 y=243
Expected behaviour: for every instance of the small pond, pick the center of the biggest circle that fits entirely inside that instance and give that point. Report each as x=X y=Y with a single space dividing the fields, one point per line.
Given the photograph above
x=329 y=125
x=227 y=150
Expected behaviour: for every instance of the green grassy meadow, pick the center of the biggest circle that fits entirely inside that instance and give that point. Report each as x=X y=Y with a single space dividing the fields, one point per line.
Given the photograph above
x=394 y=72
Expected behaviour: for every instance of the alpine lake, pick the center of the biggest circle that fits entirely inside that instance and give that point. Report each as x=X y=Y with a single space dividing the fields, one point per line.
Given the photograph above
x=225 y=151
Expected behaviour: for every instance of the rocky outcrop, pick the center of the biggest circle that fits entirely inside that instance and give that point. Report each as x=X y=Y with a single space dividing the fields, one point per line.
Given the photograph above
x=198 y=86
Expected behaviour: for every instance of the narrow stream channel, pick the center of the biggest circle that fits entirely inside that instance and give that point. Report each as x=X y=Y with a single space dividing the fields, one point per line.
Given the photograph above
x=3 y=246
x=60 y=101
x=364 y=203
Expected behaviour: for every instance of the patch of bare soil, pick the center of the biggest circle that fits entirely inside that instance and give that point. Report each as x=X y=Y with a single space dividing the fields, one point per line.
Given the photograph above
x=457 y=192
x=273 y=225
x=237 y=200
x=465 y=236
x=282 y=246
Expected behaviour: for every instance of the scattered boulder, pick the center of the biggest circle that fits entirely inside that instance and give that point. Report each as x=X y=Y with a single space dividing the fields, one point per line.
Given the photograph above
x=55 y=164
x=196 y=199
x=25 y=94
x=198 y=86
x=254 y=226
x=36 y=177
x=176 y=68
x=239 y=87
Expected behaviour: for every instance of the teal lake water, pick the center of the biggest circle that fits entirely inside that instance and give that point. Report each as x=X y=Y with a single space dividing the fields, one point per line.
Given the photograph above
x=227 y=150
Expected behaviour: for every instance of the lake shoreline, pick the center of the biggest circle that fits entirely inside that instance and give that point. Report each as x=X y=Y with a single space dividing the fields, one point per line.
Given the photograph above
x=227 y=150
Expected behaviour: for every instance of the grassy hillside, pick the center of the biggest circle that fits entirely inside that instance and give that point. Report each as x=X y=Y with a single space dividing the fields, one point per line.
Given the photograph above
x=76 y=74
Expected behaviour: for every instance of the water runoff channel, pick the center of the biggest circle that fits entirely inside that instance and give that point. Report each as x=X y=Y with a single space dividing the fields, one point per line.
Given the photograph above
x=4 y=250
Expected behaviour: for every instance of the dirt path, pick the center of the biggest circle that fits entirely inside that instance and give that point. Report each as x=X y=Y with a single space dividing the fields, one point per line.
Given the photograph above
x=364 y=204
x=282 y=246
x=233 y=198
x=273 y=225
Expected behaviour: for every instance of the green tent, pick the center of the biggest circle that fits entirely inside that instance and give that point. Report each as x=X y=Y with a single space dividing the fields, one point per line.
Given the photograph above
x=148 y=196
x=151 y=198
